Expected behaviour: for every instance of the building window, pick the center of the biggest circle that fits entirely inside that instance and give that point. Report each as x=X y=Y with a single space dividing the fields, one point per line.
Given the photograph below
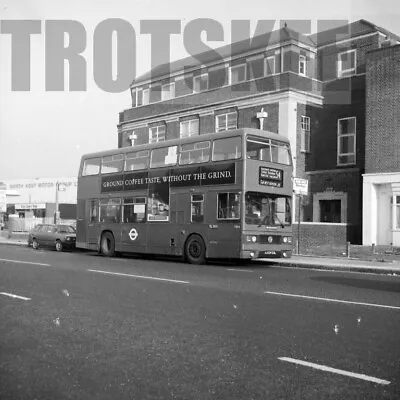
x=157 y=134
x=302 y=65
x=330 y=211
x=225 y=122
x=168 y=91
x=146 y=96
x=305 y=134
x=269 y=66
x=396 y=200
x=197 y=207
x=189 y=128
x=237 y=74
x=228 y=206
x=133 y=95
x=139 y=97
x=347 y=63
x=200 y=83
x=346 y=141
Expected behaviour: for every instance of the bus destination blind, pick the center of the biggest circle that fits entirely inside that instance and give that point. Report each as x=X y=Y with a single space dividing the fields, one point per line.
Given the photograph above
x=272 y=177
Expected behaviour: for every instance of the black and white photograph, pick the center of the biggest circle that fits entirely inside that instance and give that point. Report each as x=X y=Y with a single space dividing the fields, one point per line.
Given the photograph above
x=199 y=201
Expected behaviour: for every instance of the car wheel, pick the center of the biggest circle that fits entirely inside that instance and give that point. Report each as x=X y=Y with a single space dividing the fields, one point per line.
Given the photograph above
x=195 y=250
x=35 y=244
x=107 y=244
x=59 y=245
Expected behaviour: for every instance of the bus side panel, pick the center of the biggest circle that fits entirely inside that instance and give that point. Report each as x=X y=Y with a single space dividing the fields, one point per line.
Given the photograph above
x=133 y=237
x=224 y=241
x=161 y=237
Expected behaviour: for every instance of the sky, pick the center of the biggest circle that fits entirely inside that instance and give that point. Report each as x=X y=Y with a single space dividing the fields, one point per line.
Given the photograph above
x=44 y=133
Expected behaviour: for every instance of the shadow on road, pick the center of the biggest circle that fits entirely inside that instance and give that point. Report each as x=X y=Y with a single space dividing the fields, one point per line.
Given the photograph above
x=361 y=283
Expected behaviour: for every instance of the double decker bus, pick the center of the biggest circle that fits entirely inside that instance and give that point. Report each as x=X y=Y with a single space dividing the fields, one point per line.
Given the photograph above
x=220 y=195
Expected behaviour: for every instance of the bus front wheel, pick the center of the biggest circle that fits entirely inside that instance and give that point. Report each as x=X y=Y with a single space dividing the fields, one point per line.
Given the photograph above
x=107 y=244
x=195 y=250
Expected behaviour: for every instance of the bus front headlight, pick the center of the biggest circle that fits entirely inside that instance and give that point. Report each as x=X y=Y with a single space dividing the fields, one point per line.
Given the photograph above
x=250 y=238
x=285 y=239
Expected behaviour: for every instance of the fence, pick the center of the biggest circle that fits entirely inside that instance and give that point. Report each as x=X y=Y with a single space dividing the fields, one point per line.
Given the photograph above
x=27 y=224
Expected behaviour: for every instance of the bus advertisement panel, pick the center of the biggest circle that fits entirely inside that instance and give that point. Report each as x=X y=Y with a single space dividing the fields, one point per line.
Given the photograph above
x=225 y=195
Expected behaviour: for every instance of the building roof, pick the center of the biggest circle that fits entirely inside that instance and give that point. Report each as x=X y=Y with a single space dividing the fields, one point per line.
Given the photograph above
x=258 y=42
x=348 y=31
x=285 y=34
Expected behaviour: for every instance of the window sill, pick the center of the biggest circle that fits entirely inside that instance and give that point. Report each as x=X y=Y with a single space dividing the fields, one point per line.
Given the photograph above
x=346 y=165
x=346 y=74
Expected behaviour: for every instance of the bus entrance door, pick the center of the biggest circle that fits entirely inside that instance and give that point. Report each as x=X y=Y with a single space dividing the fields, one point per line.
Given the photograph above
x=163 y=230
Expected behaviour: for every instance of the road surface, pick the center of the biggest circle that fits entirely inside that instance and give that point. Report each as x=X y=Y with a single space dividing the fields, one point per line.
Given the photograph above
x=76 y=325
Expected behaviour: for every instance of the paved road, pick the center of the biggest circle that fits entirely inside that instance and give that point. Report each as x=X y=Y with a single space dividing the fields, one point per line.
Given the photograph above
x=80 y=326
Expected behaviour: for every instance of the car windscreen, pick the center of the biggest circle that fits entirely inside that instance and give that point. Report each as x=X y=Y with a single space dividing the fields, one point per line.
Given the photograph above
x=65 y=229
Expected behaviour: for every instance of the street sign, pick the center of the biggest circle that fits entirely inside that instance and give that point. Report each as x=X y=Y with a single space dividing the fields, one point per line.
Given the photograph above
x=300 y=186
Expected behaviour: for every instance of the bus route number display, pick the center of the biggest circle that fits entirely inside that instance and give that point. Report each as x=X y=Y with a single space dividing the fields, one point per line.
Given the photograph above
x=270 y=177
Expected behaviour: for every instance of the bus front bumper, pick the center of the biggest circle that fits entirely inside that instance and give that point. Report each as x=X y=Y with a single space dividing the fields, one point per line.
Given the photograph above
x=254 y=254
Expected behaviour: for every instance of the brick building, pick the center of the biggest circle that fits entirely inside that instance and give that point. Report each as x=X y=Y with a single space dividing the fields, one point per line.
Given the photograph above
x=381 y=181
x=313 y=89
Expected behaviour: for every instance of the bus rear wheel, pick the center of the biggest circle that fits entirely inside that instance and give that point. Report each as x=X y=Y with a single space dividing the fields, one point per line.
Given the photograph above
x=195 y=250
x=107 y=244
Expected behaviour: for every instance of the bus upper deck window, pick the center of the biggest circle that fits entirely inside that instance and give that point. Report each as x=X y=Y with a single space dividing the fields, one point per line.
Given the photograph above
x=112 y=164
x=258 y=149
x=280 y=152
x=91 y=166
x=164 y=156
x=137 y=160
x=194 y=153
x=227 y=149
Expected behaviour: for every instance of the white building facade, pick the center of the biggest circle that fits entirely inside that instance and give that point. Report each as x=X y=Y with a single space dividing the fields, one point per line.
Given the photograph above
x=381 y=211
x=34 y=194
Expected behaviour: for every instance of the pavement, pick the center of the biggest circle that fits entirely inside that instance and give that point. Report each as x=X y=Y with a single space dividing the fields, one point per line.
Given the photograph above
x=296 y=261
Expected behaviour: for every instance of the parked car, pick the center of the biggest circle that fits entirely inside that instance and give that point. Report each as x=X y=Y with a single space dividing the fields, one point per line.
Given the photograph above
x=59 y=236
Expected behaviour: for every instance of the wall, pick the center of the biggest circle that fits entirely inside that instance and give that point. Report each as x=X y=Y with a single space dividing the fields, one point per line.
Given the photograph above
x=314 y=235
x=383 y=111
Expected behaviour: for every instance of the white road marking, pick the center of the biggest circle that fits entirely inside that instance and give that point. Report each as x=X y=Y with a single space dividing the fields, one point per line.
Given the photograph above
x=240 y=270
x=25 y=262
x=335 y=371
x=137 y=276
x=14 y=296
x=333 y=300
